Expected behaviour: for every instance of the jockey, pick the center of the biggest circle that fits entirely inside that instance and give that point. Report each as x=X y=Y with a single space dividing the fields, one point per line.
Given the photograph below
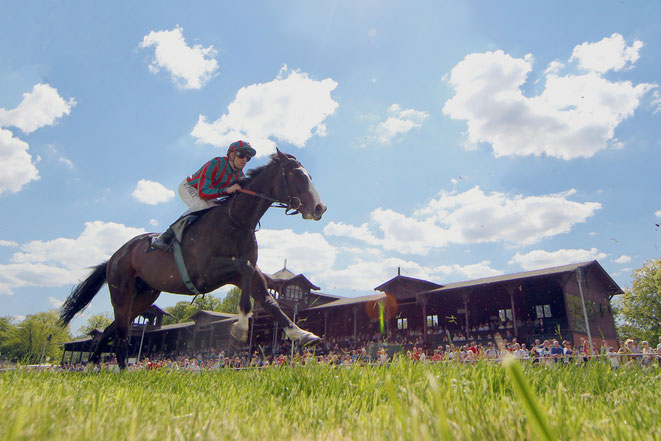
x=216 y=178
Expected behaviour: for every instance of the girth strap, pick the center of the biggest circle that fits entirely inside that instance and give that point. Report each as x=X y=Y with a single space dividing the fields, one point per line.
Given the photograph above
x=181 y=266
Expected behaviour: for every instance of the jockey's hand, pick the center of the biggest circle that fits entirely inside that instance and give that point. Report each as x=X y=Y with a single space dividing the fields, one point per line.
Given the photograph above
x=232 y=188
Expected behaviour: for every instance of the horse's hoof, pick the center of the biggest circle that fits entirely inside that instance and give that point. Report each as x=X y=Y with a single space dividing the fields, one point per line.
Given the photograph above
x=309 y=340
x=238 y=333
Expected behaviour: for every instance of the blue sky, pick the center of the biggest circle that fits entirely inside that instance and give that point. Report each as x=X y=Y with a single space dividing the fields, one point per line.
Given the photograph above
x=454 y=140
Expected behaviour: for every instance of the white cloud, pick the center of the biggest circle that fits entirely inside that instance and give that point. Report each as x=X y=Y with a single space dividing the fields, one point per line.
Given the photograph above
x=361 y=232
x=66 y=162
x=154 y=223
x=574 y=116
x=365 y=275
x=41 y=107
x=398 y=122
x=292 y=108
x=468 y=272
x=151 y=193
x=554 y=67
x=611 y=53
x=8 y=243
x=189 y=67
x=544 y=259
x=57 y=303
x=623 y=259
x=656 y=102
x=657 y=213
x=16 y=167
x=63 y=261
x=308 y=253
x=470 y=217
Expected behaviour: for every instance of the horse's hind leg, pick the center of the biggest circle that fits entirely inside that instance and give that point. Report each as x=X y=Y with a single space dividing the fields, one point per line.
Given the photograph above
x=129 y=298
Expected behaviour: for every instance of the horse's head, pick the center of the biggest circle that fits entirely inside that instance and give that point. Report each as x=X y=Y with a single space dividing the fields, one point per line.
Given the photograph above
x=296 y=188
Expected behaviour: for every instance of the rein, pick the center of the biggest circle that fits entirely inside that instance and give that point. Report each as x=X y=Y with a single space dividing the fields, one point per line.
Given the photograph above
x=291 y=206
x=276 y=203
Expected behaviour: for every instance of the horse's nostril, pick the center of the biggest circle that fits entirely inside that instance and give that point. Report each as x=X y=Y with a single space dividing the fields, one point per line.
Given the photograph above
x=320 y=208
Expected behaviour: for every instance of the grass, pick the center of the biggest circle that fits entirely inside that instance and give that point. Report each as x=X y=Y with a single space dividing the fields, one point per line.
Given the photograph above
x=403 y=401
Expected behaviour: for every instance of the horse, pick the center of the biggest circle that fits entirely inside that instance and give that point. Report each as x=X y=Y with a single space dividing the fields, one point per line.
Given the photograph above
x=219 y=248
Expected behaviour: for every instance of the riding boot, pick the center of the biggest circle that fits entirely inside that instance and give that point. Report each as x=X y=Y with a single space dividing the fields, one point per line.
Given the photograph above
x=164 y=241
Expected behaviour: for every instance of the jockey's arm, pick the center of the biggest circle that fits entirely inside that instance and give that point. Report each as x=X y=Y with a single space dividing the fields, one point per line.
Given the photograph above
x=232 y=188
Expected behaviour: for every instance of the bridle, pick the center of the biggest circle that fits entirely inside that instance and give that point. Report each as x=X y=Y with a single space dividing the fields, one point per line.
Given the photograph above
x=291 y=205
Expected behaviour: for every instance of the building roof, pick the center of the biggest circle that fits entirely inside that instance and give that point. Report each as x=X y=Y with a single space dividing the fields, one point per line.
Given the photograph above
x=283 y=274
x=286 y=277
x=154 y=310
x=609 y=282
x=409 y=284
x=326 y=295
x=345 y=301
x=173 y=326
x=208 y=316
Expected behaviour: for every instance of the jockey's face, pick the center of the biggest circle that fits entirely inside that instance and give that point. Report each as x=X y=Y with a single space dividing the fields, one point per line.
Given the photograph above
x=237 y=162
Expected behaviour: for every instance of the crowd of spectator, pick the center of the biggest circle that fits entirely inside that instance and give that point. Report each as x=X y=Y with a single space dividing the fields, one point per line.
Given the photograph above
x=364 y=351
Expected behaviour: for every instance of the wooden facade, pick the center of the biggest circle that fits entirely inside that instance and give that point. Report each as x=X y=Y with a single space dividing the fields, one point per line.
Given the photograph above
x=530 y=305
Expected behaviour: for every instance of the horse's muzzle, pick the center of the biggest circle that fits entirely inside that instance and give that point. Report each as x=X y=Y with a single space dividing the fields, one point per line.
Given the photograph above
x=318 y=212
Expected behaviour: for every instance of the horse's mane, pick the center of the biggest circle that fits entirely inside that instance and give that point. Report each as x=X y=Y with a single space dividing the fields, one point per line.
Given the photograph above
x=255 y=172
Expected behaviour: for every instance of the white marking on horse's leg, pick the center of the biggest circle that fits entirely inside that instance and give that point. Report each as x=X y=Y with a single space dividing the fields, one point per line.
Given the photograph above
x=243 y=322
x=295 y=333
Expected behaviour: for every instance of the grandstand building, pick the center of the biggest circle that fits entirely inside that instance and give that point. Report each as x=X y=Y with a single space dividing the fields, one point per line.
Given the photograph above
x=561 y=302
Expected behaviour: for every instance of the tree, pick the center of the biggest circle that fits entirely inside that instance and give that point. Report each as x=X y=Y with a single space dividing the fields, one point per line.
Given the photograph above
x=5 y=328
x=181 y=312
x=230 y=302
x=26 y=340
x=98 y=321
x=639 y=308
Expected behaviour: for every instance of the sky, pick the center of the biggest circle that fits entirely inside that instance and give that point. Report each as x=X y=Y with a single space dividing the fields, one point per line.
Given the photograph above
x=451 y=140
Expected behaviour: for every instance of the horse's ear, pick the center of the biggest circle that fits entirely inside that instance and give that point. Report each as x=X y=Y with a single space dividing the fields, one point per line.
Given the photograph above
x=281 y=156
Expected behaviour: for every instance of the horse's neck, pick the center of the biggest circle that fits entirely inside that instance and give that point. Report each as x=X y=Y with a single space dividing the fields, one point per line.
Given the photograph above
x=247 y=209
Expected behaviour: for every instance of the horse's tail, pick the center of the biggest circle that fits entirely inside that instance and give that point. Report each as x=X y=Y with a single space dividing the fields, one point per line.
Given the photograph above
x=83 y=294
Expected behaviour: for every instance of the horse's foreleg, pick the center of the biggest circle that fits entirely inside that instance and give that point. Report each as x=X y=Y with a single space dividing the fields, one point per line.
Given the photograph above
x=261 y=294
x=239 y=330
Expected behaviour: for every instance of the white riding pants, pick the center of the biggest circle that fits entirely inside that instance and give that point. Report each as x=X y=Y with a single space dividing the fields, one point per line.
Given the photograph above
x=189 y=195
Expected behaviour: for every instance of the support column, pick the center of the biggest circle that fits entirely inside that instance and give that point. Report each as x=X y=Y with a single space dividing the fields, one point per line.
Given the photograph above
x=516 y=329
x=213 y=328
x=162 y=344
x=466 y=314
x=325 y=322
x=355 y=324
x=424 y=319
x=580 y=280
x=275 y=337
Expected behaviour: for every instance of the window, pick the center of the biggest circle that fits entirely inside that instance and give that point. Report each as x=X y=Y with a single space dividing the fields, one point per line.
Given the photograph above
x=505 y=314
x=543 y=311
x=432 y=320
x=402 y=323
x=293 y=292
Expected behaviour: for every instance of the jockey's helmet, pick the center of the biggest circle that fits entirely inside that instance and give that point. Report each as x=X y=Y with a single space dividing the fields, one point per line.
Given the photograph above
x=241 y=146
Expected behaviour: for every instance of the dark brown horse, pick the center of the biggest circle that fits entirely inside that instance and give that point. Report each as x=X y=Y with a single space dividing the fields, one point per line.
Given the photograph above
x=219 y=248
